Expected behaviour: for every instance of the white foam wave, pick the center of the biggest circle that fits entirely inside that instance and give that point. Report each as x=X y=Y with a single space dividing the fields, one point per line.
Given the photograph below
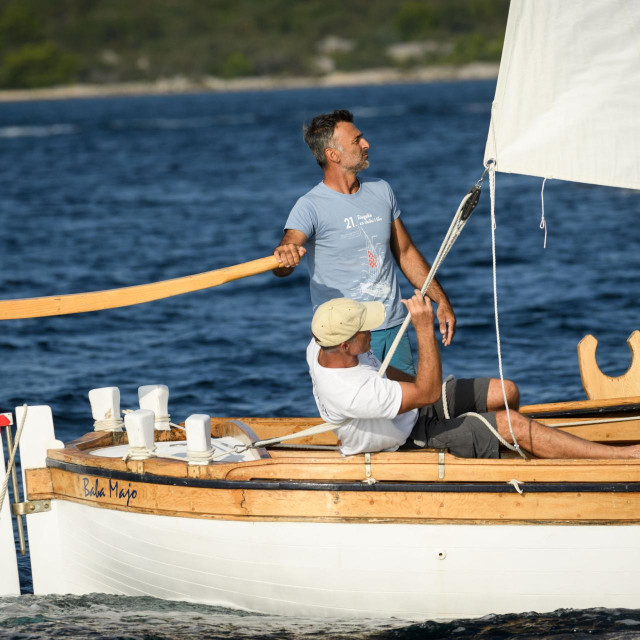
x=163 y=123
x=30 y=131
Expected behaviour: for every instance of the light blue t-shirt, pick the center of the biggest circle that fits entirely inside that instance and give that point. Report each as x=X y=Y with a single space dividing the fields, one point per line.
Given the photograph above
x=348 y=252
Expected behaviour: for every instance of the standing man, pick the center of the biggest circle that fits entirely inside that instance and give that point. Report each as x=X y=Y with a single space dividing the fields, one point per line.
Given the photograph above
x=353 y=231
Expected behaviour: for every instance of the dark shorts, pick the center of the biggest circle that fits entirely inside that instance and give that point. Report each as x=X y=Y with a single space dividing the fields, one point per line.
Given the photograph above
x=465 y=437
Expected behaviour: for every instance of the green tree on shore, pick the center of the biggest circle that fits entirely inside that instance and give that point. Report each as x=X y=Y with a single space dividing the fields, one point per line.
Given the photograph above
x=27 y=58
x=102 y=41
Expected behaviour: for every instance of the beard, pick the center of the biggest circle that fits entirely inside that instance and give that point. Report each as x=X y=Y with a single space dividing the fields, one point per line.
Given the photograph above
x=358 y=166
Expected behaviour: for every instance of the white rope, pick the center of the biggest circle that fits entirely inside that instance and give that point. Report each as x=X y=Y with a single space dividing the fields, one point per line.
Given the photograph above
x=543 y=222
x=445 y=402
x=200 y=456
x=12 y=456
x=108 y=424
x=493 y=430
x=456 y=226
x=516 y=485
x=236 y=449
x=159 y=419
x=162 y=421
x=317 y=429
x=241 y=448
x=142 y=453
x=445 y=410
x=492 y=188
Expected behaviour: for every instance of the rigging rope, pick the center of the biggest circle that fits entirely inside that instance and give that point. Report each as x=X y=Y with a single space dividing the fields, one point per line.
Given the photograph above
x=460 y=218
x=491 y=166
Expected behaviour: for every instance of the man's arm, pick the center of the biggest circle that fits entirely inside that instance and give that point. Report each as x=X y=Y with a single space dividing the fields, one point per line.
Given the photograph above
x=416 y=269
x=398 y=375
x=289 y=251
x=426 y=388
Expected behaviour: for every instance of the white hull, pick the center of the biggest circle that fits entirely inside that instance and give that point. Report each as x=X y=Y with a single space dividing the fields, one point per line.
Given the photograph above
x=409 y=571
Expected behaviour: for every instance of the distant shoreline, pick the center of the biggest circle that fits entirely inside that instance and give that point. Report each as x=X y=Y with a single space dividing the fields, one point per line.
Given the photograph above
x=181 y=85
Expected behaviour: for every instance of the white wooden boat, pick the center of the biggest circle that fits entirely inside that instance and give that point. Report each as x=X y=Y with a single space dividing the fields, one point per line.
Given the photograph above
x=306 y=532
x=415 y=535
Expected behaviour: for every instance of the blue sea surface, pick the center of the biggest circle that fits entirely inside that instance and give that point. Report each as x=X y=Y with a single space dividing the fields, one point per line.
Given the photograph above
x=112 y=192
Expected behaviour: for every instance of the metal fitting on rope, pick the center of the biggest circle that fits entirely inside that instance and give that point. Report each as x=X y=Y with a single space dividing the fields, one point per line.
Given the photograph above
x=471 y=202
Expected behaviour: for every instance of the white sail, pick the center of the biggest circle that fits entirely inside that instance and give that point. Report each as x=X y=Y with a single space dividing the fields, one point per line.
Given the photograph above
x=567 y=102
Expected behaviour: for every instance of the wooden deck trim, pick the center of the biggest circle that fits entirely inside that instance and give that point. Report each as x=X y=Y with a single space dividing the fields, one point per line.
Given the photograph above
x=324 y=466
x=375 y=503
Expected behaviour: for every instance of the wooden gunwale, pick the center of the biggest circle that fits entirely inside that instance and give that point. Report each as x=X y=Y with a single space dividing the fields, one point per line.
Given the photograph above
x=322 y=466
x=322 y=486
x=434 y=502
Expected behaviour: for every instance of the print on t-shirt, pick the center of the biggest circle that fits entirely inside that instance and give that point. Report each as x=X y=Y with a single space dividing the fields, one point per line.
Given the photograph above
x=369 y=285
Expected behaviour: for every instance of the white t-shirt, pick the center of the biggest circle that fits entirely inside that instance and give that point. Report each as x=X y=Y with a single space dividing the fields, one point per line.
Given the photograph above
x=368 y=402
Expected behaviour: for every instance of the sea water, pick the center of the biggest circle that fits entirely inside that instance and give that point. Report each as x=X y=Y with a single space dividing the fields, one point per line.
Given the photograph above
x=104 y=193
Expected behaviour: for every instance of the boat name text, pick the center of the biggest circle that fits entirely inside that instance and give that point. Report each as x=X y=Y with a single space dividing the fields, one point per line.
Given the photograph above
x=92 y=489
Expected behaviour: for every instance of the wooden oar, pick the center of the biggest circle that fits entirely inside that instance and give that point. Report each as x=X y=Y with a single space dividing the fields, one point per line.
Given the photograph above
x=126 y=296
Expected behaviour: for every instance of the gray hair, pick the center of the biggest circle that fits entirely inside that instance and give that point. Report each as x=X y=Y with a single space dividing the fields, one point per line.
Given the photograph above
x=318 y=134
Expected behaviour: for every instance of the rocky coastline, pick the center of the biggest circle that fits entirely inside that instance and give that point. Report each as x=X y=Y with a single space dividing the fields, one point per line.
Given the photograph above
x=177 y=85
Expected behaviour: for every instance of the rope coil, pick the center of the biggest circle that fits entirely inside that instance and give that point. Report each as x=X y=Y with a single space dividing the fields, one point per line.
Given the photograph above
x=141 y=453
x=108 y=424
x=200 y=456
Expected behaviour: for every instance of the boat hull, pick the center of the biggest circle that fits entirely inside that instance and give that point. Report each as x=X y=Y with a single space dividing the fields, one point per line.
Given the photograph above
x=411 y=535
x=324 y=569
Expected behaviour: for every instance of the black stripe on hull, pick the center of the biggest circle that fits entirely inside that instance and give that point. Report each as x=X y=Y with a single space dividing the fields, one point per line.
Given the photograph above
x=393 y=487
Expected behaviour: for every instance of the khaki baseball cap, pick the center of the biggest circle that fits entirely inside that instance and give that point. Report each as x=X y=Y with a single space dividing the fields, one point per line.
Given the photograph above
x=340 y=319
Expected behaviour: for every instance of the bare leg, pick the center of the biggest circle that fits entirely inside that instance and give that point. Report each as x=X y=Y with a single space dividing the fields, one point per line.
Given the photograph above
x=495 y=398
x=545 y=442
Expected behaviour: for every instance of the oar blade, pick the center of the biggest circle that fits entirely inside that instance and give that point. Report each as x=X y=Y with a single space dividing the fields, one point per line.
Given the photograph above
x=127 y=296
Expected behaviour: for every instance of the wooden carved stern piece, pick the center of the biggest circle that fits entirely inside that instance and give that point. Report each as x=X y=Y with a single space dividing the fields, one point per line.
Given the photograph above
x=599 y=386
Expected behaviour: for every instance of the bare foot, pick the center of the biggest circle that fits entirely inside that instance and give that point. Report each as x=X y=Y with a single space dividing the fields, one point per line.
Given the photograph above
x=633 y=450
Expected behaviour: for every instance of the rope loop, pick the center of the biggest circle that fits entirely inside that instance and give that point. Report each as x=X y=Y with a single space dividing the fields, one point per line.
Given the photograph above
x=543 y=222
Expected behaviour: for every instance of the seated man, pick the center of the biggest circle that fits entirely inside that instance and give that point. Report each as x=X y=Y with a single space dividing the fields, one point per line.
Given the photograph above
x=384 y=414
